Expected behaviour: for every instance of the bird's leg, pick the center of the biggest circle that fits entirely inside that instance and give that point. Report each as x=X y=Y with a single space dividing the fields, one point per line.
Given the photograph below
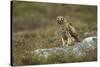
x=63 y=42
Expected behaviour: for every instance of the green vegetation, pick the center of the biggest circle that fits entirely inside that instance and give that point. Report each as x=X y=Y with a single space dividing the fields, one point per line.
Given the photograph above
x=34 y=26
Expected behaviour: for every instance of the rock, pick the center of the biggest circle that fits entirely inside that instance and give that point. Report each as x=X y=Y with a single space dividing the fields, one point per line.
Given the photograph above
x=78 y=50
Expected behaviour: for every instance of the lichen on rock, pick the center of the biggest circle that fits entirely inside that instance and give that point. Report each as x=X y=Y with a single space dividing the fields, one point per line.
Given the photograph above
x=78 y=50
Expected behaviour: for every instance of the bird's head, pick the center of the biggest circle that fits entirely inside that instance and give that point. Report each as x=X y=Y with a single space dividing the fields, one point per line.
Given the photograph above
x=60 y=20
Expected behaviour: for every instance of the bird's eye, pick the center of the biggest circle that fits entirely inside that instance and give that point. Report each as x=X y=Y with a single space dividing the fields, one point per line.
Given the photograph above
x=62 y=19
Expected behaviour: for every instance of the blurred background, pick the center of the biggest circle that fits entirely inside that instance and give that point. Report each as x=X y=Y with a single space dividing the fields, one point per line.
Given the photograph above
x=29 y=15
x=34 y=26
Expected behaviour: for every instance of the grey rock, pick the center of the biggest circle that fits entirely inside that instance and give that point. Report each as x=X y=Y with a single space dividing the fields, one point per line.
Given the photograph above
x=78 y=50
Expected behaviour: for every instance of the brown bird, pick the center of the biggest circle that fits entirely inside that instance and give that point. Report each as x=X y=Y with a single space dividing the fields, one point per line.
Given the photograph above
x=67 y=31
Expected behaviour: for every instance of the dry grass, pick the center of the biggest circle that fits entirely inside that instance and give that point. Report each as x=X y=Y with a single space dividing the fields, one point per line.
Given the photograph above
x=34 y=27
